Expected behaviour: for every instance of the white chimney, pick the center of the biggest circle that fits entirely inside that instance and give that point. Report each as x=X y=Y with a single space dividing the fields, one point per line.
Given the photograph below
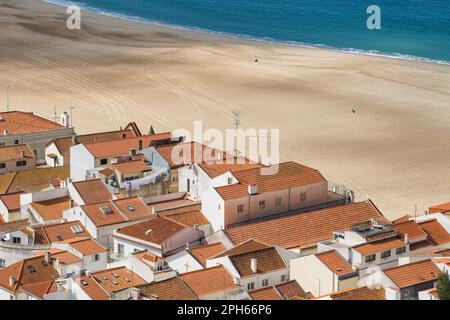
x=12 y=281
x=253 y=265
x=406 y=238
x=65 y=119
x=252 y=189
x=22 y=154
x=5 y=132
x=48 y=257
x=153 y=211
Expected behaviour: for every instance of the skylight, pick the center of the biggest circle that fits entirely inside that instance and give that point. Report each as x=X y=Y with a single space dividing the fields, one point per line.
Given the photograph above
x=106 y=209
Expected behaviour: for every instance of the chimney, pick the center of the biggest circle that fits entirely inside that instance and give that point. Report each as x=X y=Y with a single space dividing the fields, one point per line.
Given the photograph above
x=5 y=132
x=132 y=152
x=187 y=245
x=252 y=189
x=153 y=211
x=12 y=281
x=22 y=154
x=48 y=257
x=406 y=238
x=253 y=265
x=74 y=141
x=65 y=119
x=135 y=293
x=124 y=135
x=140 y=145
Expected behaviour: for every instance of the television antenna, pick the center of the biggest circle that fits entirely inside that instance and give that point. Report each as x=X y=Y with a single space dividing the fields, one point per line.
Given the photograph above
x=237 y=119
x=71 y=118
x=7 y=86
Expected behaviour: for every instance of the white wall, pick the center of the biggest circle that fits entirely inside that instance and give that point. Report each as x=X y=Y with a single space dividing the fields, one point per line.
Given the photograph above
x=81 y=160
x=51 y=148
x=180 y=260
x=213 y=208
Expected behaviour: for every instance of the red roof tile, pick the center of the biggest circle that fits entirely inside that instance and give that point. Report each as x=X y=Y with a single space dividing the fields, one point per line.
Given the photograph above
x=93 y=191
x=18 y=122
x=335 y=262
x=413 y=273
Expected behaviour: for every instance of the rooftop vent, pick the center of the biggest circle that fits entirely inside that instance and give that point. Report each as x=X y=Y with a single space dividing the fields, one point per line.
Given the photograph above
x=12 y=281
x=131 y=208
x=84 y=282
x=252 y=189
x=106 y=209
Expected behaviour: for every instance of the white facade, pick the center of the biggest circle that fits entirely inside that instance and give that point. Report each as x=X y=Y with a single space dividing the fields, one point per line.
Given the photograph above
x=81 y=160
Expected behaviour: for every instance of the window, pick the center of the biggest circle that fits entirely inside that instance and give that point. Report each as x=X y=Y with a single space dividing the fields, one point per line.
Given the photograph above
x=2 y=165
x=130 y=178
x=31 y=269
x=302 y=196
x=36 y=153
x=2 y=144
x=262 y=204
x=96 y=257
x=76 y=229
x=265 y=282
x=120 y=249
x=370 y=258
x=2 y=263
x=400 y=250
x=16 y=240
x=250 y=286
x=283 y=278
x=218 y=207
x=230 y=180
x=174 y=179
x=59 y=238
x=386 y=254
x=21 y=163
x=16 y=141
x=103 y=161
x=240 y=208
x=278 y=201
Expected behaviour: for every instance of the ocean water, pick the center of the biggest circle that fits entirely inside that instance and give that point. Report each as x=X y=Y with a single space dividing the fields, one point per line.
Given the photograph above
x=410 y=29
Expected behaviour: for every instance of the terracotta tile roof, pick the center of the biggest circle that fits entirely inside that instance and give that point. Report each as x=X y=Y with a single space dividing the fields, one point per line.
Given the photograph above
x=249 y=245
x=170 y=289
x=64 y=257
x=133 y=207
x=117 y=211
x=335 y=262
x=268 y=260
x=133 y=166
x=103 y=213
x=40 y=289
x=290 y=290
x=269 y=293
x=174 y=204
x=52 y=209
x=203 y=253
x=16 y=152
x=443 y=207
x=305 y=229
x=190 y=218
x=86 y=246
x=289 y=175
x=404 y=218
x=106 y=172
x=214 y=170
x=379 y=246
x=411 y=228
x=122 y=147
x=92 y=288
x=198 y=153
x=11 y=200
x=147 y=257
x=209 y=281
x=18 y=122
x=47 y=234
x=117 y=279
x=14 y=226
x=363 y=293
x=413 y=273
x=436 y=232
x=93 y=191
x=63 y=144
x=156 y=230
x=420 y=245
x=32 y=180
x=27 y=271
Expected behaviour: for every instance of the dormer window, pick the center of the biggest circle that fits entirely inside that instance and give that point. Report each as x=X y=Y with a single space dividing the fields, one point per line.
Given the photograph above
x=76 y=229
x=31 y=269
x=105 y=209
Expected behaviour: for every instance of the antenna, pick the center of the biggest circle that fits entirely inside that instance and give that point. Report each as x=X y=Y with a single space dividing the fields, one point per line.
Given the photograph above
x=237 y=119
x=7 y=86
x=54 y=114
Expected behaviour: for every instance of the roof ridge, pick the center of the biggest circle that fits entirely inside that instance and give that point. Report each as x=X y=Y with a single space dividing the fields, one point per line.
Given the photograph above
x=129 y=138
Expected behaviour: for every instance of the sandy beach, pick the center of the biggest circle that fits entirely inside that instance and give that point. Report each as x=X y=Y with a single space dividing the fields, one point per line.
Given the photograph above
x=393 y=149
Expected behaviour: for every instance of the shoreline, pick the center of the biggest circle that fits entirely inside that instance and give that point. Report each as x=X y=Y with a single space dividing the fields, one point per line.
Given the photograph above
x=247 y=38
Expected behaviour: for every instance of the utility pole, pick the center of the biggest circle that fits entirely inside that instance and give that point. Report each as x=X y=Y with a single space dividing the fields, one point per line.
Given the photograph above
x=237 y=122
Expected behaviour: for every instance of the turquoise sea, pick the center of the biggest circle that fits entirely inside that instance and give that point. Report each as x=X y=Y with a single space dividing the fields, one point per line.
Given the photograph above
x=410 y=29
